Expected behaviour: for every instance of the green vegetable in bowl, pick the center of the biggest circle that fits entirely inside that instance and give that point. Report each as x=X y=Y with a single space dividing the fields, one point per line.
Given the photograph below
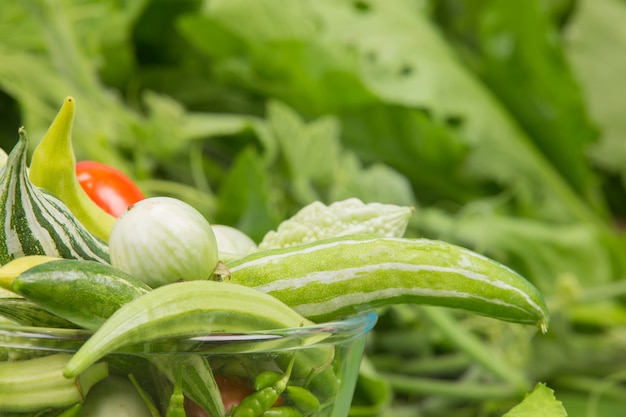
x=161 y=240
x=114 y=396
x=185 y=308
x=3 y=158
x=36 y=222
x=232 y=243
x=317 y=221
x=336 y=277
x=53 y=167
x=32 y=384
x=85 y=293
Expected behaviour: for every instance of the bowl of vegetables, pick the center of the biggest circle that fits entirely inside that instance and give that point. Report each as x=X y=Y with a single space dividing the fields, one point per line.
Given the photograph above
x=301 y=371
x=178 y=317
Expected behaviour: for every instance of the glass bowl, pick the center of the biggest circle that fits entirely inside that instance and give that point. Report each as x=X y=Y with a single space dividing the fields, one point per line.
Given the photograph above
x=306 y=371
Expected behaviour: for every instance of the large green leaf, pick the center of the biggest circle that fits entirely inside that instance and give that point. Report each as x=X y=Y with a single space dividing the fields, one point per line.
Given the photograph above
x=592 y=41
x=514 y=47
x=346 y=57
x=540 y=402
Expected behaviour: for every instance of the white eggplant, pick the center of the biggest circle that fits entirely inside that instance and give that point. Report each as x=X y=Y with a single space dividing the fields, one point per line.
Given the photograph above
x=161 y=240
x=114 y=396
x=232 y=243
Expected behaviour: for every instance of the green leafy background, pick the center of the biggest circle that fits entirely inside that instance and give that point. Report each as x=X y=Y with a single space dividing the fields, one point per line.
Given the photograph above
x=501 y=122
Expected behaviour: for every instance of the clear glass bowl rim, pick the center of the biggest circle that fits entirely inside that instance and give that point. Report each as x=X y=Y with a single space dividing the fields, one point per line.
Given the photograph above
x=70 y=340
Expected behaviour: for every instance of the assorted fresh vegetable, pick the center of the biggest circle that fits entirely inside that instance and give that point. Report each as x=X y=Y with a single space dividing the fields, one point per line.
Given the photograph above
x=166 y=281
x=499 y=122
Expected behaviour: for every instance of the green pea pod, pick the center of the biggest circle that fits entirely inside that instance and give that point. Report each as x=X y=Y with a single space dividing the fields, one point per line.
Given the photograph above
x=332 y=278
x=53 y=168
x=183 y=309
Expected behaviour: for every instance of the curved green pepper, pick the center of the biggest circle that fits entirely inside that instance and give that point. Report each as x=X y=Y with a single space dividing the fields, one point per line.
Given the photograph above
x=53 y=167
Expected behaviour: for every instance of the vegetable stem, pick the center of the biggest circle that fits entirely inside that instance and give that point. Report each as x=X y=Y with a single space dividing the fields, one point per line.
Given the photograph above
x=438 y=365
x=471 y=345
x=463 y=390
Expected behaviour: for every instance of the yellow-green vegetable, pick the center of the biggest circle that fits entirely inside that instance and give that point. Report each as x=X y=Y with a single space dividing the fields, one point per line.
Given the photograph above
x=53 y=168
x=12 y=269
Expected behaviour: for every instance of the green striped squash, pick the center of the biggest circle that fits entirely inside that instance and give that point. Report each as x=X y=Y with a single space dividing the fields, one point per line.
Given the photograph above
x=336 y=277
x=34 y=222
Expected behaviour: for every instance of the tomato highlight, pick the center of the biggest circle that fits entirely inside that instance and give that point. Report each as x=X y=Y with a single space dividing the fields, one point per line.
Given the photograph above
x=108 y=187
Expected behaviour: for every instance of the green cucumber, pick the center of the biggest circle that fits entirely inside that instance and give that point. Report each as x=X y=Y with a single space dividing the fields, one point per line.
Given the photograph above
x=35 y=222
x=331 y=278
x=86 y=293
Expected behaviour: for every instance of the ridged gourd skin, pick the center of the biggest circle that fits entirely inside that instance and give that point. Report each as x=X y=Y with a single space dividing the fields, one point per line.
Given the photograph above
x=337 y=277
x=317 y=221
x=161 y=240
x=34 y=222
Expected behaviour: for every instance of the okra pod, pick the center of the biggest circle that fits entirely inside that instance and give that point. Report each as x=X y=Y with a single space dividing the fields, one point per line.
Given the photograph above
x=184 y=309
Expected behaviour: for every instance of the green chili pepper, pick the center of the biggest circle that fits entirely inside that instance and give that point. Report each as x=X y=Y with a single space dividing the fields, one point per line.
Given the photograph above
x=266 y=379
x=53 y=167
x=303 y=399
x=257 y=403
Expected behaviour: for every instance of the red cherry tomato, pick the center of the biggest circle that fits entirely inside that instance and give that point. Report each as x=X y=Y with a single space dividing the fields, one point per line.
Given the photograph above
x=108 y=187
x=232 y=390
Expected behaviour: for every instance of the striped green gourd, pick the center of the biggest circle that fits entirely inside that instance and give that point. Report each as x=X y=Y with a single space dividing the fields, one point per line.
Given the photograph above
x=335 y=277
x=35 y=222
